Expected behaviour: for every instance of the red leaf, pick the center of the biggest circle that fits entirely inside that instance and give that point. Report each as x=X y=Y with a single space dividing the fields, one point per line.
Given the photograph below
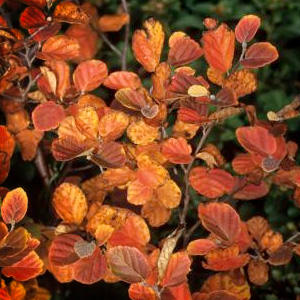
x=183 y=50
x=128 y=263
x=177 y=151
x=243 y=164
x=41 y=35
x=246 y=28
x=252 y=191
x=32 y=17
x=89 y=75
x=14 y=206
x=259 y=55
x=221 y=220
x=177 y=270
x=90 y=269
x=179 y=292
x=62 y=250
x=218 y=47
x=7 y=143
x=138 y=291
x=47 y=116
x=29 y=267
x=211 y=183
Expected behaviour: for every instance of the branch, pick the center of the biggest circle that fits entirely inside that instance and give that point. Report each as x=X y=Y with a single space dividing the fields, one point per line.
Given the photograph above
x=205 y=133
x=42 y=167
x=109 y=43
x=190 y=232
x=126 y=38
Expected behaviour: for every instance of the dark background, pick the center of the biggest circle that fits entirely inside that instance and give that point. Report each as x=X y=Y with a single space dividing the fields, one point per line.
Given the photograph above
x=278 y=85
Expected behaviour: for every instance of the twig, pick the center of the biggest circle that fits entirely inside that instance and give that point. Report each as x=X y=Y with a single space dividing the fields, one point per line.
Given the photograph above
x=187 y=170
x=42 y=167
x=190 y=232
x=109 y=43
x=293 y=237
x=126 y=37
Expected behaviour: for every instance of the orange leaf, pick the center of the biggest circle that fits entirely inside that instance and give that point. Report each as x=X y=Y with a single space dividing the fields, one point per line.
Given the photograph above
x=258 y=272
x=246 y=28
x=211 y=183
x=70 y=203
x=7 y=143
x=177 y=151
x=169 y=194
x=259 y=55
x=128 y=263
x=113 y=23
x=252 y=191
x=201 y=246
x=147 y=44
x=14 y=206
x=134 y=233
x=177 y=270
x=243 y=164
x=41 y=35
x=122 y=79
x=70 y=12
x=225 y=259
x=179 y=292
x=59 y=47
x=87 y=38
x=28 y=141
x=47 y=116
x=218 y=47
x=221 y=220
x=183 y=50
x=89 y=75
x=138 y=291
x=29 y=267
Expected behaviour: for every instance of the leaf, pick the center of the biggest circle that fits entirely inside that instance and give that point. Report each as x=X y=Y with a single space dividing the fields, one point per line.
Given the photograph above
x=211 y=183
x=218 y=47
x=134 y=232
x=225 y=97
x=59 y=47
x=197 y=91
x=89 y=75
x=221 y=220
x=169 y=194
x=246 y=28
x=183 y=49
x=259 y=55
x=109 y=155
x=147 y=44
x=138 y=291
x=258 y=272
x=113 y=23
x=128 y=263
x=41 y=35
x=257 y=140
x=225 y=259
x=223 y=114
x=177 y=270
x=122 y=79
x=70 y=203
x=142 y=134
x=112 y=125
x=29 y=267
x=69 y=147
x=87 y=121
x=201 y=247
x=32 y=17
x=7 y=143
x=90 y=269
x=47 y=116
x=252 y=191
x=242 y=82
x=62 y=73
x=71 y=13
x=62 y=250
x=166 y=252
x=14 y=206
x=88 y=41
x=177 y=151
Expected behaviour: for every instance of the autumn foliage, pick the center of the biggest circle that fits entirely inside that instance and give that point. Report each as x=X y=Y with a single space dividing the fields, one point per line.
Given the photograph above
x=147 y=146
